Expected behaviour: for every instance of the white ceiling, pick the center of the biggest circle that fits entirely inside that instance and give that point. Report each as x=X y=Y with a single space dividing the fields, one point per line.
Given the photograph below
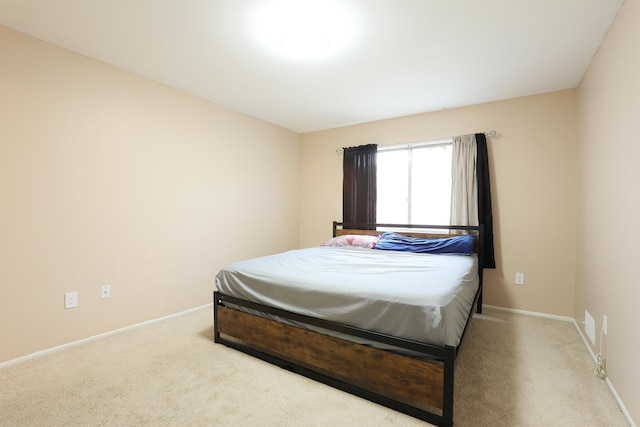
x=404 y=56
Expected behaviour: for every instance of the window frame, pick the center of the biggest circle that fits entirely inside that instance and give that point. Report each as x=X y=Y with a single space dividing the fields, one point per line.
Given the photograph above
x=409 y=147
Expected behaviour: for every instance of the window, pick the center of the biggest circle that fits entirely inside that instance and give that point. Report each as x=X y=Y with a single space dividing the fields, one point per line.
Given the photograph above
x=414 y=184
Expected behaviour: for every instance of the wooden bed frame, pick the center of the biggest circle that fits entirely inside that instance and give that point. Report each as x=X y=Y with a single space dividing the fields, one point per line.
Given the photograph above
x=420 y=386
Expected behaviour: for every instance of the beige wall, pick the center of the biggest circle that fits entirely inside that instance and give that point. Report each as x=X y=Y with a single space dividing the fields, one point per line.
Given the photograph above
x=108 y=178
x=607 y=276
x=534 y=180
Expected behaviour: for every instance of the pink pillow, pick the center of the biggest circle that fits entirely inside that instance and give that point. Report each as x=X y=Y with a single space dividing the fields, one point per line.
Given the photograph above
x=353 y=240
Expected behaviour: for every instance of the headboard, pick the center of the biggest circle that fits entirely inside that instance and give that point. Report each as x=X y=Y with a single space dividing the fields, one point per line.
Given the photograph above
x=410 y=230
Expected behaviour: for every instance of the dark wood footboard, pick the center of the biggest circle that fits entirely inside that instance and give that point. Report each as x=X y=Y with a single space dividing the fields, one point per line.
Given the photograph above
x=418 y=386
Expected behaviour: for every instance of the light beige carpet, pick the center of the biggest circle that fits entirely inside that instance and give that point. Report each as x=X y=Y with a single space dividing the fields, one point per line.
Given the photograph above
x=513 y=370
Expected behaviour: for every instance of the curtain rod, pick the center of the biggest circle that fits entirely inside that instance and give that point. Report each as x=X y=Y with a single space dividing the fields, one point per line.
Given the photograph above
x=490 y=134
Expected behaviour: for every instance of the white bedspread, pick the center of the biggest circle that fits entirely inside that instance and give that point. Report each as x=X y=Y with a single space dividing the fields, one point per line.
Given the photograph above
x=422 y=297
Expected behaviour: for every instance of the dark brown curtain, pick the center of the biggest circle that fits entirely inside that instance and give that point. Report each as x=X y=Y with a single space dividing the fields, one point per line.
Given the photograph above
x=485 y=215
x=359 y=184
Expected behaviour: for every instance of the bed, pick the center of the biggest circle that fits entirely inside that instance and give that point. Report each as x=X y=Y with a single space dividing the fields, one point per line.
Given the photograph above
x=384 y=323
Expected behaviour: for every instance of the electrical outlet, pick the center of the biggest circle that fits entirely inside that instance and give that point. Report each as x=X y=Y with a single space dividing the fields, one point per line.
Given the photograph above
x=604 y=324
x=105 y=292
x=520 y=279
x=70 y=299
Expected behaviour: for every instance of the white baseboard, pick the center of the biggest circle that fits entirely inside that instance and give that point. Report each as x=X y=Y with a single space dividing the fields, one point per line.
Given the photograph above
x=530 y=313
x=95 y=337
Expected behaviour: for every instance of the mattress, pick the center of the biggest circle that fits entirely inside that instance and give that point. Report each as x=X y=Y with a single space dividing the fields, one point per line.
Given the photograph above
x=421 y=297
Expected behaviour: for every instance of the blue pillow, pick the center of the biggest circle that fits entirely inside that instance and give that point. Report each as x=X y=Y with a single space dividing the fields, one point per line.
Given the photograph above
x=459 y=245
